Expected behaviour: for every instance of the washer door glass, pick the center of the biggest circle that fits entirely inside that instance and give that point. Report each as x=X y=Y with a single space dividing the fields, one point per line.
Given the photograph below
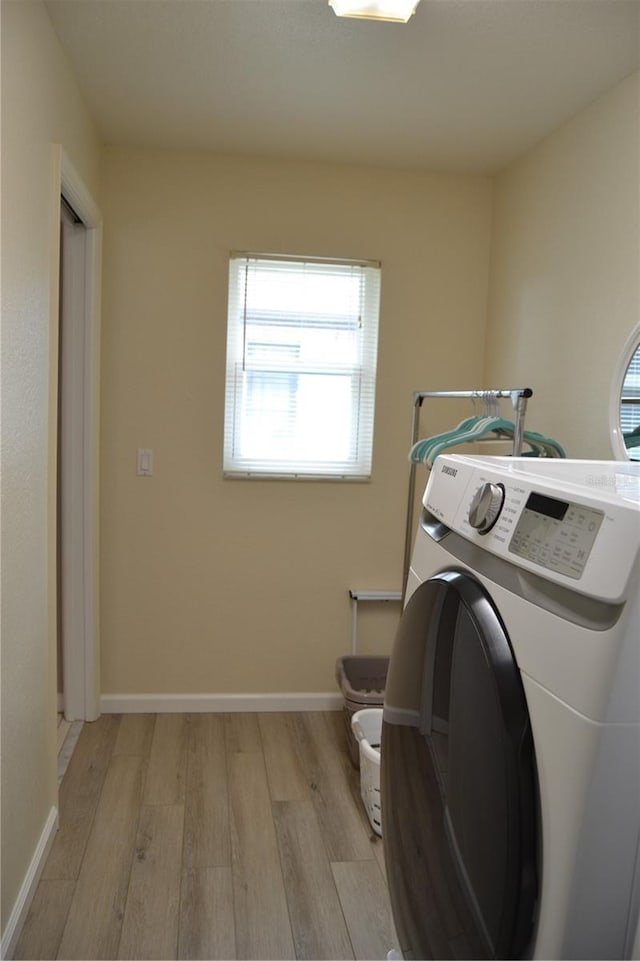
x=459 y=790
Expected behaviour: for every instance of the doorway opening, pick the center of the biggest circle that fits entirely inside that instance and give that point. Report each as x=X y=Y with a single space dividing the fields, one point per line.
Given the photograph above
x=77 y=478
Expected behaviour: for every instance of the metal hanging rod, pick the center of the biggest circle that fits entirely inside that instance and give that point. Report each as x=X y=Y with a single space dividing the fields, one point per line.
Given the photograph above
x=513 y=392
x=518 y=397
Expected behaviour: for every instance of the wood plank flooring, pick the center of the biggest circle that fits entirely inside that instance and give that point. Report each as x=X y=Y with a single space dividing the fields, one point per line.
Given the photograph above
x=211 y=836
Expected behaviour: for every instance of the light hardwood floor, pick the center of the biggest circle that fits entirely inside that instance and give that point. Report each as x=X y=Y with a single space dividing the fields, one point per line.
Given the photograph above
x=211 y=836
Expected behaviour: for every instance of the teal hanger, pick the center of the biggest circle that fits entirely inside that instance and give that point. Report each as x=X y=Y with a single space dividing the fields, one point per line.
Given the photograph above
x=480 y=427
x=420 y=450
x=551 y=446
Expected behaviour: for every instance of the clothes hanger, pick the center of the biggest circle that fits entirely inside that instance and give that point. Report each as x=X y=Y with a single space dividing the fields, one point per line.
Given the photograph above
x=467 y=430
x=484 y=426
x=420 y=449
x=545 y=446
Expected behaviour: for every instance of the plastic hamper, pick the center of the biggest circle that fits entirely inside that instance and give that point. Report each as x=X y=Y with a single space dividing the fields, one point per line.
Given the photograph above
x=362 y=679
x=367 y=727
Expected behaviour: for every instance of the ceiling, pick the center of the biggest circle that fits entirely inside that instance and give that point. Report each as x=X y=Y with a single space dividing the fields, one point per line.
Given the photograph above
x=465 y=86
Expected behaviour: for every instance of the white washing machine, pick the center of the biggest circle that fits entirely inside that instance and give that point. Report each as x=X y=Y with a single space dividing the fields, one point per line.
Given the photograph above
x=510 y=771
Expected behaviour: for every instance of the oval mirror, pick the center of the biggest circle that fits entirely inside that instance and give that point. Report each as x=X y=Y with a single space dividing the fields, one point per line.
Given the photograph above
x=624 y=405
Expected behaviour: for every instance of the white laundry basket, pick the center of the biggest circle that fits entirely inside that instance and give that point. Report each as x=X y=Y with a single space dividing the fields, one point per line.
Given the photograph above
x=367 y=727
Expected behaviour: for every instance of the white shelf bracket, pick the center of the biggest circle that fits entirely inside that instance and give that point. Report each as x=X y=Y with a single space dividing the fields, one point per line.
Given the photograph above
x=357 y=596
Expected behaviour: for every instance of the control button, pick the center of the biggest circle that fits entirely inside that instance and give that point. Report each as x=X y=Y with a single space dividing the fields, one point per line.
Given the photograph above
x=486 y=506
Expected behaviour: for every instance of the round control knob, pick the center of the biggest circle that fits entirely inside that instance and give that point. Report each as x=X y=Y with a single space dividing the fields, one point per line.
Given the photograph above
x=486 y=506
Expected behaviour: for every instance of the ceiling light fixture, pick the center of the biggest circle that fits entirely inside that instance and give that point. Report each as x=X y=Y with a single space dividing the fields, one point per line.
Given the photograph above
x=396 y=11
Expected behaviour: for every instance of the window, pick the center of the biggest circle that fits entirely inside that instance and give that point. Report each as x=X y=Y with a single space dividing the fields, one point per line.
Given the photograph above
x=302 y=344
x=630 y=403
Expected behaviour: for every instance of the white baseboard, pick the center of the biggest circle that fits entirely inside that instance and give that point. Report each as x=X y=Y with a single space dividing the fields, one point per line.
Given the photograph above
x=216 y=703
x=17 y=918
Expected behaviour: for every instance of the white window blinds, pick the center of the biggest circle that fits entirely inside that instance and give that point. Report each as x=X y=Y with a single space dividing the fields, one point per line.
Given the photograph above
x=630 y=404
x=302 y=342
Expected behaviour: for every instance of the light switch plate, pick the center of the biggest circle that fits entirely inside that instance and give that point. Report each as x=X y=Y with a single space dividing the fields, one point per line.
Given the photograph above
x=145 y=462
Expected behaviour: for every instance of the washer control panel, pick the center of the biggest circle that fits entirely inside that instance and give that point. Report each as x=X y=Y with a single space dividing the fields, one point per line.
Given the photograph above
x=564 y=520
x=556 y=534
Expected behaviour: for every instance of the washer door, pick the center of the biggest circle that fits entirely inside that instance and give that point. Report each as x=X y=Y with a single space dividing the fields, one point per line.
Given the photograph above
x=459 y=790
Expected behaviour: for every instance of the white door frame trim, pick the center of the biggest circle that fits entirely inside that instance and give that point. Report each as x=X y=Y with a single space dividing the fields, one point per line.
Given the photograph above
x=81 y=646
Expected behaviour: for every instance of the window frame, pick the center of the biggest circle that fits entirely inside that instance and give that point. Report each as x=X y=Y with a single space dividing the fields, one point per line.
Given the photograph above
x=357 y=415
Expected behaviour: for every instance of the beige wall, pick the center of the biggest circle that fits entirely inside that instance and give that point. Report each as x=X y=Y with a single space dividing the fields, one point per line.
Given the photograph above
x=218 y=586
x=565 y=269
x=41 y=105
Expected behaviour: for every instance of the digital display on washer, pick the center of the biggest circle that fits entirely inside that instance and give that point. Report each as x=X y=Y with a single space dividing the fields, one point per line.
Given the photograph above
x=547 y=505
x=555 y=534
